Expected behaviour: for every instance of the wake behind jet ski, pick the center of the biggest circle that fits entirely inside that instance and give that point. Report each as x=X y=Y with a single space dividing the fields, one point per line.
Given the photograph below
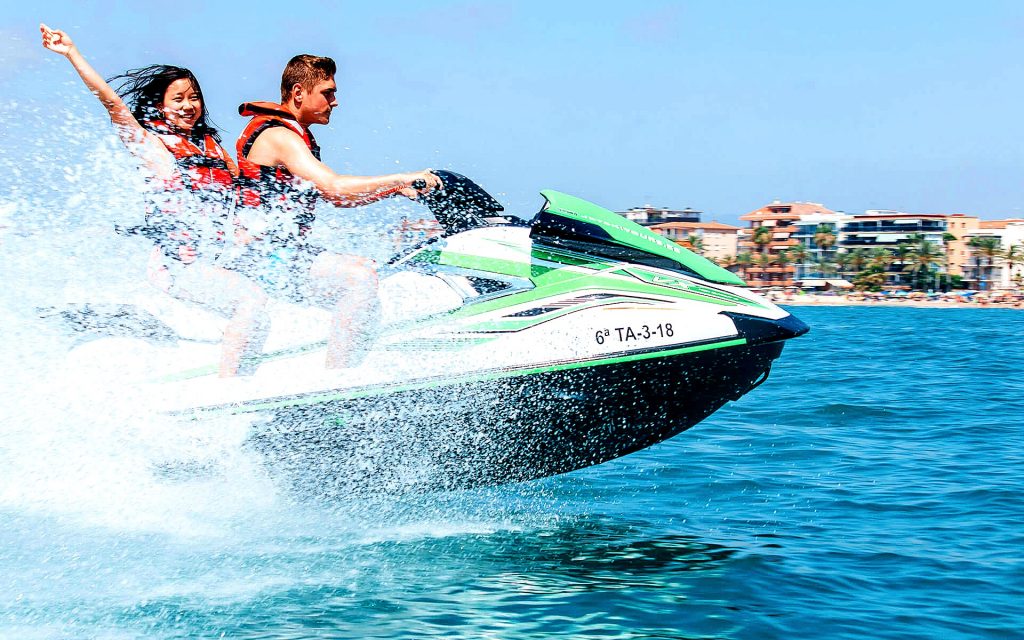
x=507 y=350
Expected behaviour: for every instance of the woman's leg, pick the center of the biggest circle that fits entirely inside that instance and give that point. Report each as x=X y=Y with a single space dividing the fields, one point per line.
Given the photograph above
x=239 y=299
x=247 y=327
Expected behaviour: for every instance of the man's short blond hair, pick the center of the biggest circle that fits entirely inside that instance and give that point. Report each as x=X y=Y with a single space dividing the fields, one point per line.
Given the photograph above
x=306 y=70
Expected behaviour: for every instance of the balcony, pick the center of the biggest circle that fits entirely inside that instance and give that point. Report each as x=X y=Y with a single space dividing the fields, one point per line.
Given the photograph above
x=937 y=227
x=884 y=240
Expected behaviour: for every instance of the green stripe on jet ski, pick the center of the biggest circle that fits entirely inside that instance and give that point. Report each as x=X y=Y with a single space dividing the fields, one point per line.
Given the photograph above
x=356 y=394
x=551 y=282
x=687 y=285
x=559 y=282
x=479 y=263
x=570 y=258
x=507 y=324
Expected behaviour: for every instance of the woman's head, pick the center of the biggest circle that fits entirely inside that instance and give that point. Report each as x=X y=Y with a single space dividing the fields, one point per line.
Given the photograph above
x=167 y=93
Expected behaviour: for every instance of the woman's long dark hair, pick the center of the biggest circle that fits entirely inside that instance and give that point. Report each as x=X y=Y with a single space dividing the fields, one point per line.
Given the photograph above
x=143 y=90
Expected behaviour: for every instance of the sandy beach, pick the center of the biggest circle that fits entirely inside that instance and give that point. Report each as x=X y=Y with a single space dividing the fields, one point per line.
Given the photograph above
x=856 y=300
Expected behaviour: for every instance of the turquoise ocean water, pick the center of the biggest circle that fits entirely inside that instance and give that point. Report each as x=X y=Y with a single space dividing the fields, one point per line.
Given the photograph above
x=871 y=488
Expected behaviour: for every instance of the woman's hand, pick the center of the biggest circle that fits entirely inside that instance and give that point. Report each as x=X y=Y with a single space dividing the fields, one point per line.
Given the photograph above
x=56 y=40
x=151 y=151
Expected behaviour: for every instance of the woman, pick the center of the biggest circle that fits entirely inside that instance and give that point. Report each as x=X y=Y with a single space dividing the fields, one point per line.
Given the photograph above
x=190 y=180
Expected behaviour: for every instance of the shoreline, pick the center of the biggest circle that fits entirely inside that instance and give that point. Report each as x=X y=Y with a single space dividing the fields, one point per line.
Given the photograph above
x=811 y=300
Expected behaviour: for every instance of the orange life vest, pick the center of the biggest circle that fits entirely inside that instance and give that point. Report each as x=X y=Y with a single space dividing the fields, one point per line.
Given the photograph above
x=266 y=187
x=192 y=206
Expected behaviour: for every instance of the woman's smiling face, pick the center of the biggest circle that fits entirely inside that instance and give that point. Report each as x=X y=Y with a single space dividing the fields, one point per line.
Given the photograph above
x=182 y=105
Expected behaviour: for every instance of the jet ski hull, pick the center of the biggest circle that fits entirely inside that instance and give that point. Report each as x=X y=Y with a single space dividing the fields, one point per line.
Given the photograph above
x=513 y=429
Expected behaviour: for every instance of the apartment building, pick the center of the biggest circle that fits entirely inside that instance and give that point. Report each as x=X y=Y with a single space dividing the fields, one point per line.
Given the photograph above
x=958 y=254
x=888 y=229
x=981 y=272
x=714 y=240
x=784 y=230
x=807 y=228
x=648 y=215
x=878 y=228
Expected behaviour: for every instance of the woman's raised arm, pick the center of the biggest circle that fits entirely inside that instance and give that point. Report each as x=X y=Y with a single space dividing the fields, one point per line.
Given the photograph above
x=132 y=133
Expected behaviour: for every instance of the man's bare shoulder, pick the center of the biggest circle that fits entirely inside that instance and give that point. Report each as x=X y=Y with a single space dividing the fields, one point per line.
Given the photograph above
x=276 y=144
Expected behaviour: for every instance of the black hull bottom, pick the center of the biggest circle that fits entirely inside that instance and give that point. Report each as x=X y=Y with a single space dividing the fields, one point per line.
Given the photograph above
x=509 y=430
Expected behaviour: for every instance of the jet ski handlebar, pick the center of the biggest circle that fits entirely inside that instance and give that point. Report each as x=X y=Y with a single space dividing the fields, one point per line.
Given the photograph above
x=460 y=204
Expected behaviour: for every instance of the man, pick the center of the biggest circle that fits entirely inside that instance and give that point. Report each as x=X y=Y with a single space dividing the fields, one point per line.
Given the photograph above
x=282 y=176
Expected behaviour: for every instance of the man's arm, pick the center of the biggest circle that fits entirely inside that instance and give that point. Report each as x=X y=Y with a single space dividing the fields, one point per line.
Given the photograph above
x=283 y=146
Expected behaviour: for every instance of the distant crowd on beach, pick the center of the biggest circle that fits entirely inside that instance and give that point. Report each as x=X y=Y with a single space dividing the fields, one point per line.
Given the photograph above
x=961 y=299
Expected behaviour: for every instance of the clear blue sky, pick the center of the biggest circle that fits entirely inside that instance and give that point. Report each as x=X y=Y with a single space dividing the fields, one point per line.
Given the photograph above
x=717 y=105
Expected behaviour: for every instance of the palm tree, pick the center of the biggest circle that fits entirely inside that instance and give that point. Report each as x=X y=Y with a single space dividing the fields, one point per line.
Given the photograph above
x=857 y=259
x=987 y=246
x=1013 y=257
x=870 y=280
x=871 y=269
x=696 y=243
x=824 y=238
x=881 y=256
x=761 y=237
x=764 y=260
x=901 y=253
x=743 y=260
x=799 y=255
x=878 y=260
x=783 y=259
x=842 y=260
x=947 y=237
x=923 y=255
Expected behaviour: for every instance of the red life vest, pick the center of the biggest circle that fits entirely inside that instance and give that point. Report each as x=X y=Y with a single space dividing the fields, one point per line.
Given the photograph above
x=192 y=206
x=276 y=187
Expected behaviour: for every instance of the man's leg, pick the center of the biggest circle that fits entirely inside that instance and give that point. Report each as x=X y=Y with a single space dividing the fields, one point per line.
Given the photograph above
x=347 y=287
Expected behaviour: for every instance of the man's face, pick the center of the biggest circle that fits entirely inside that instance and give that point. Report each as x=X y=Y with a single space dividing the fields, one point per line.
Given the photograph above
x=318 y=103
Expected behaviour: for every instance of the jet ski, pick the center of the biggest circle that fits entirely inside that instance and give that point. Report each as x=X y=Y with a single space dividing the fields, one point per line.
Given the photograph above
x=505 y=350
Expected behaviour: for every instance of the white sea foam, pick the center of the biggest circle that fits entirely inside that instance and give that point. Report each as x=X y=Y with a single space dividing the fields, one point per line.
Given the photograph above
x=106 y=507
x=78 y=440
x=75 y=442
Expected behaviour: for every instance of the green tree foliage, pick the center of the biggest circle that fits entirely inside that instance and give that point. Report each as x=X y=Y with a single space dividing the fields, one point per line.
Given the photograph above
x=824 y=236
x=985 y=249
x=924 y=258
x=761 y=237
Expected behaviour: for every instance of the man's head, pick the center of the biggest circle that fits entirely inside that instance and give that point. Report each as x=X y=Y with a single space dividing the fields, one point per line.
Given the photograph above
x=308 y=88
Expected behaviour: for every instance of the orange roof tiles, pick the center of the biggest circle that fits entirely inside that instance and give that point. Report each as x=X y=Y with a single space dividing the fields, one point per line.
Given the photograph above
x=775 y=211
x=998 y=224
